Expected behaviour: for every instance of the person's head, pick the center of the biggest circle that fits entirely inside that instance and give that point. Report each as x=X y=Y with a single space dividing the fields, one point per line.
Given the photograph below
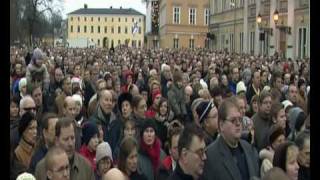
x=278 y=115
x=27 y=104
x=192 y=151
x=58 y=74
x=106 y=101
x=165 y=69
x=286 y=78
x=101 y=84
x=133 y=89
x=235 y=74
x=265 y=102
x=129 y=128
x=104 y=160
x=230 y=121
x=49 y=121
x=264 y=76
x=188 y=93
x=254 y=104
x=177 y=78
x=242 y=104
x=275 y=173
x=276 y=80
x=256 y=79
x=66 y=85
x=216 y=94
x=276 y=136
x=65 y=135
x=156 y=96
x=285 y=157
x=114 y=174
x=36 y=93
x=28 y=128
x=14 y=107
x=23 y=86
x=292 y=93
x=148 y=132
x=139 y=106
x=78 y=99
x=90 y=135
x=173 y=139
x=297 y=119
x=303 y=143
x=77 y=70
x=128 y=156
x=18 y=69
x=208 y=116
x=69 y=107
x=57 y=164
x=124 y=104
x=163 y=107
x=37 y=57
x=224 y=80
x=241 y=88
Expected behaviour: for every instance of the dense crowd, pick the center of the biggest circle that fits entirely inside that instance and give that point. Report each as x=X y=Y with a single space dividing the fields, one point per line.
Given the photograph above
x=127 y=113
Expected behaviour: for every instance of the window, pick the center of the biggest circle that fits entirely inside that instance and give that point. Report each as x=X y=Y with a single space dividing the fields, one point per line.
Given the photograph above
x=111 y=19
x=99 y=19
x=302 y=42
x=139 y=19
x=191 y=43
x=71 y=18
x=192 y=15
x=224 y=5
x=139 y=43
x=126 y=30
x=119 y=42
x=241 y=42
x=176 y=15
x=105 y=19
x=98 y=29
x=85 y=18
x=241 y=3
x=132 y=19
x=112 y=30
x=119 y=29
x=105 y=29
x=91 y=19
x=206 y=16
x=119 y=19
x=251 y=42
x=78 y=18
x=91 y=29
x=125 y=19
x=85 y=29
x=175 y=43
x=231 y=39
x=71 y=29
x=78 y=29
x=139 y=30
x=98 y=42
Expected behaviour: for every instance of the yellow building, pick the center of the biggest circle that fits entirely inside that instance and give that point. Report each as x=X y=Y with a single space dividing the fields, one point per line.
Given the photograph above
x=104 y=27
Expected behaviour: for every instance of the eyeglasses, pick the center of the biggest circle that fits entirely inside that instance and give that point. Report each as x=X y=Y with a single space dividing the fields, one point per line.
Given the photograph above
x=235 y=120
x=30 y=109
x=200 y=152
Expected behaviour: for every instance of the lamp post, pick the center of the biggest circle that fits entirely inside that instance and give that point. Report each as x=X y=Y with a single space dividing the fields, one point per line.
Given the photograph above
x=276 y=19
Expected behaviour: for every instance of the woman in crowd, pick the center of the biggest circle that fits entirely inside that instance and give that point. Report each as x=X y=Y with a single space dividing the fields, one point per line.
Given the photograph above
x=104 y=160
x=128 y=159
x=139 y=105
x=14 y=112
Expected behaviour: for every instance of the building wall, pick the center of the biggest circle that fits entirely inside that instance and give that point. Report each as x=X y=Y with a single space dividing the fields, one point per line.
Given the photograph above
x=243 y=18
x=99 y=37
x=183 y=31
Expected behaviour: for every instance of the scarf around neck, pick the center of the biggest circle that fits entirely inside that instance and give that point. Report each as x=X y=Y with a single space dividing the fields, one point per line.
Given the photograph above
x=153 y=152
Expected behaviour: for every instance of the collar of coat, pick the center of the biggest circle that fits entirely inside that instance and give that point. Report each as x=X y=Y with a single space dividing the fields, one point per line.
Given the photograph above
x=101 y=116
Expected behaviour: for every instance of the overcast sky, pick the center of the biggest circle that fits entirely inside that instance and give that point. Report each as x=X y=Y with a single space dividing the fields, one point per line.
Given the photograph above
x=72 y=5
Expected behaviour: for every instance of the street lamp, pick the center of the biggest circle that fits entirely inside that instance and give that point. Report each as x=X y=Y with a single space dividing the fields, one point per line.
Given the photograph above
x=259 y=19
x=276 y=16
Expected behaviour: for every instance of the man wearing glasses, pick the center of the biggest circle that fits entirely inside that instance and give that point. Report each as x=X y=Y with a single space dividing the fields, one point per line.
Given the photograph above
x=229 y=157
x=191 y=149
x=57 y=164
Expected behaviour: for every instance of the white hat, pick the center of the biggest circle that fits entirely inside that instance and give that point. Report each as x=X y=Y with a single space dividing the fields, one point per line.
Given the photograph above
x=286 y=103
x=266 y=88
x=241 y=87
x=22 y=82
x=103 y=150
x=26 y=176
x=77 y=98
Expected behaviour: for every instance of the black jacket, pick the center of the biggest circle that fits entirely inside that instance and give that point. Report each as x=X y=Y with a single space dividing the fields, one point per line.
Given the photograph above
x=178 y=174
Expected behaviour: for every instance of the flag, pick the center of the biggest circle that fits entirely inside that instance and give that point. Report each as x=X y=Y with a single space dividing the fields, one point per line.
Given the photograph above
x=135 y=28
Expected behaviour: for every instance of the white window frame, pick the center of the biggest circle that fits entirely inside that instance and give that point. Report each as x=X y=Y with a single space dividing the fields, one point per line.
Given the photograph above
x=206 y=15
x=195 y=16
x=179 y=10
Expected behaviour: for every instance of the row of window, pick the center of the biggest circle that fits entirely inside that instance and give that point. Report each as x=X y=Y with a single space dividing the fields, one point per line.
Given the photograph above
x=133 y=43
x=105 y=19
x=105 y=29
x=176 y=43
x=192 y=15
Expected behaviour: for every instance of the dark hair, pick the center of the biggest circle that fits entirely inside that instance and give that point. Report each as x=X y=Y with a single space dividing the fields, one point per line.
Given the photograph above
x=63 y=122
x=173 y=132
x=275 y=173
x=135 y=100
x=275 y=108
x=187 y=134
x=126 y=147
x=301 y=139
x=281 y=155
x=263 y=95
x=162 y=100
x=274 y=77
x=216 y=91
x=45 y=119
x=223 y=110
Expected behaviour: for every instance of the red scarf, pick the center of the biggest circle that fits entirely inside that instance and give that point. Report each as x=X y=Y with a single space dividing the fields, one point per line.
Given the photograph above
x=153 y=152
x=91 y=156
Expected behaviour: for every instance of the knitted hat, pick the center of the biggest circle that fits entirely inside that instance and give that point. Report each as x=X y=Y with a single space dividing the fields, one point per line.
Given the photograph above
x=241 y=87
x=124 y=97
x=22 y=82
x=280 y=155
x=155 y=93
x=203 y=110
x=148 y=123
x=89 y=129
x=286 y=104
x=26 y=176
x=24 y=122
x=274 y=133
x=37 y=54
x=77 y=98
x=103 y=150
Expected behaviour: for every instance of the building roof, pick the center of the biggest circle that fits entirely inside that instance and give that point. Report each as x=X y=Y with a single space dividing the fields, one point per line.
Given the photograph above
x=121 y=11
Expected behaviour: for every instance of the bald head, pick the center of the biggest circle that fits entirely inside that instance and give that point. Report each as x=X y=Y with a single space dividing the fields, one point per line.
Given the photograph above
x=114 y=174
x=27 y=104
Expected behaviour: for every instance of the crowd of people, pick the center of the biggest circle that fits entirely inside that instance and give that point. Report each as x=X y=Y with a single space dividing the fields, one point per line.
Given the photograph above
x=153 y=114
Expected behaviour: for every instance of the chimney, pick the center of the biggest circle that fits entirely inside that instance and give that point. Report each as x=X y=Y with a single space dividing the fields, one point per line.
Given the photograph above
x=110 y=7
x=85 y=6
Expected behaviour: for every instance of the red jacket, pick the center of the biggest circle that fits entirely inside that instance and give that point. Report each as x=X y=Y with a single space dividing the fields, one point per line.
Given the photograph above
x=91 y=156
x=167 y=163
x=151 y=113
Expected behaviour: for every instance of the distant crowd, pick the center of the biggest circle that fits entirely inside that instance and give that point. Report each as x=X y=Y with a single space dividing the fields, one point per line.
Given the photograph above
x=156 y=114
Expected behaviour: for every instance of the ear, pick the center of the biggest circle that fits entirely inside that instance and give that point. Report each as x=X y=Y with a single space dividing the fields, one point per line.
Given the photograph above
x=274 y=120
x=49 y=174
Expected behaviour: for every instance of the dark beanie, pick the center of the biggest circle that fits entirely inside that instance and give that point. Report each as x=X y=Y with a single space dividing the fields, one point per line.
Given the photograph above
x=25 y=121
x=280 y=155
x=274 y=133
x=203 y=110
x=89 y=129
x=124 y=97
x=148 y=123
